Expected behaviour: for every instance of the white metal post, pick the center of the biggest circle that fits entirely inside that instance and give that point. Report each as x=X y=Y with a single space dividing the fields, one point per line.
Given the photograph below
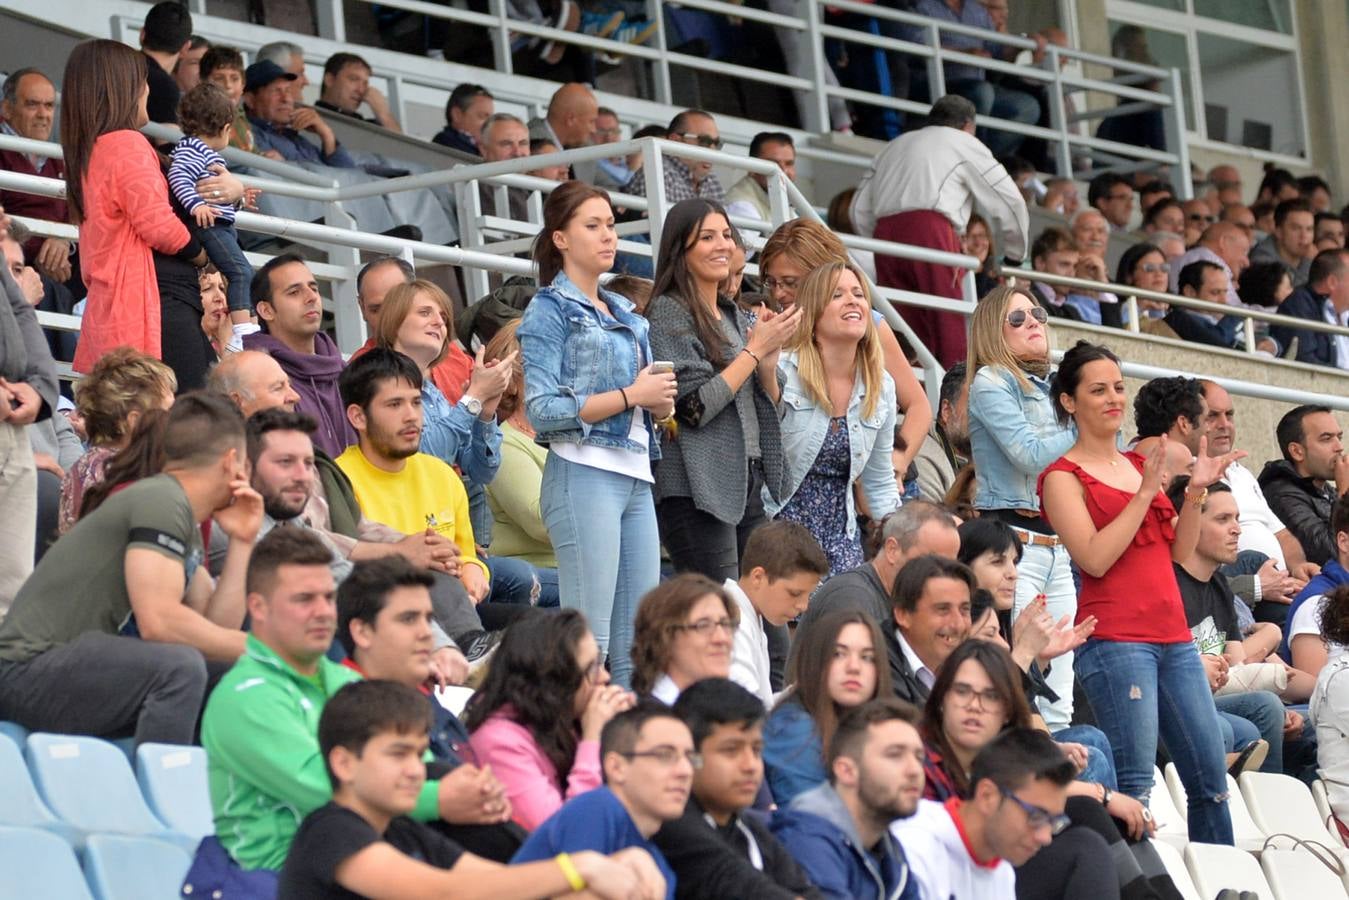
x=332 y=24
x=501 y=37
x=1174 y=121
x=653 y=170
x=812 y=47
x=1058 y=113
x=346 y=309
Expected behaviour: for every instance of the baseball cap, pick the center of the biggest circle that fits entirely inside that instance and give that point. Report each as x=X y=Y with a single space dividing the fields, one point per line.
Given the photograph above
x=263 y=73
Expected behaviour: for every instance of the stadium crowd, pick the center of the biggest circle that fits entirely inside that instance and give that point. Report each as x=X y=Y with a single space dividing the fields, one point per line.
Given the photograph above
x=742 y=615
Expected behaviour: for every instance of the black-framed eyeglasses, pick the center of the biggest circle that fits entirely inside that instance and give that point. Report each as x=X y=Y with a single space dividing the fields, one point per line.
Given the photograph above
x=1037 y=817
x=966 y=695
x=771 y=284
x=667 y=756
x=1201 y=217
x=1017 y=317
x=705 y=627
x=710 y=141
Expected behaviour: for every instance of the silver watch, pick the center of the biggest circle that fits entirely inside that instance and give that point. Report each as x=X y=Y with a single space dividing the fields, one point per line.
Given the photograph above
x=472 y=404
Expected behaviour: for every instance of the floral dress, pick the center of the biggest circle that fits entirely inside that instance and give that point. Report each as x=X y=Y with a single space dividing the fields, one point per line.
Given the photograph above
x=821 y=502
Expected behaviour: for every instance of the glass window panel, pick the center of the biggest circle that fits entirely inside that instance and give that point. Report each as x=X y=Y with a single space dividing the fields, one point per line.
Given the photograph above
x=1156 y=47
x=1178 y=5
x=1251 y=95
x=1267 y=15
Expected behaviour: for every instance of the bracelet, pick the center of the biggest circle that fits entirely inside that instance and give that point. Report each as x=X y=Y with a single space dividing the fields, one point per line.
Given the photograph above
x=574 y=879
x=1197 y=498
x=752 y=354
x=627 y=405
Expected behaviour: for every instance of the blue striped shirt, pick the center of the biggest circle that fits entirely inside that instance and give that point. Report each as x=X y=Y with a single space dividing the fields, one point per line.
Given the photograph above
x=191 y=162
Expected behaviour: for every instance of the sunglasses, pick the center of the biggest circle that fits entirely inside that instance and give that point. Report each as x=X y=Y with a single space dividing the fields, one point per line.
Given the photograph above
x=1017 y=317
x=1156 y=267
x=703 y=140
x=1200 y=217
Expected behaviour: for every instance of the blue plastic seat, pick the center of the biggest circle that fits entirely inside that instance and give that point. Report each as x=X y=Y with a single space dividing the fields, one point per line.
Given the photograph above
x=134 y=868
x=20 y=805
x=88 y=783
x=173 y=780
x=36 y=863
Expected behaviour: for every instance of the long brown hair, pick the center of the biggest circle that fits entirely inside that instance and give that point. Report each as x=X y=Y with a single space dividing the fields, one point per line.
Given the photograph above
x=812 y=656
x=558 y=211
x=660 y=612
x=503 y=344
x=398 y=306
x=682 y=226
x=99 y=93
x=142 y=457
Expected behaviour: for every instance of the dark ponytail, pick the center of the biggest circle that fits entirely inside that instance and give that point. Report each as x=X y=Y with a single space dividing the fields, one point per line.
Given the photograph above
x=558 y=210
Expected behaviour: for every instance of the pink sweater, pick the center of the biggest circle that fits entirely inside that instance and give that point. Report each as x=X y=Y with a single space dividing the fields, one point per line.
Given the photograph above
x=529 y=778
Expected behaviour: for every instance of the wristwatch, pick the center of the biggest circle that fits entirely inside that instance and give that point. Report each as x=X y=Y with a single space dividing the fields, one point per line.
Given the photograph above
x=472 y=404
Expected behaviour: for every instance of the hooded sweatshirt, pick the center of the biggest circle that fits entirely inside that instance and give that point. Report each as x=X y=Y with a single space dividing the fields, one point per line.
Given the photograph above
x=314 y=377
x=819 y=833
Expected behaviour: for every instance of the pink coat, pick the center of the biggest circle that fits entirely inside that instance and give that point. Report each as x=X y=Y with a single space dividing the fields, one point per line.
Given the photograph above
x=528 y=777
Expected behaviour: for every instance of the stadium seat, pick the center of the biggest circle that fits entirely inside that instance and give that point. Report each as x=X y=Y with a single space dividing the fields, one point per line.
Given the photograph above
x=1281 y=804
x=1175 y=867
x=88 y=783
x=1173 y=827
x=1248 y=835
x=36 y=863
x=1216 y=867
x=20 y=805
x=134 y=868
x=1296 y=875
x=1322 y=801
x=15 y=732
x=173 y=780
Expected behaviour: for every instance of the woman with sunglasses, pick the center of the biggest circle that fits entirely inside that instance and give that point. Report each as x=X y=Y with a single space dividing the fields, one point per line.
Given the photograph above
x=1140 y=669
x=976 y=696
x=1145 y=266
x=837 y=664
x=684 y=633
x=536 y=719
x=1013 y=436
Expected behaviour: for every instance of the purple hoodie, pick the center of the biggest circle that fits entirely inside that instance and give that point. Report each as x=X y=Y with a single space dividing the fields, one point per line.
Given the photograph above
x=314 y=377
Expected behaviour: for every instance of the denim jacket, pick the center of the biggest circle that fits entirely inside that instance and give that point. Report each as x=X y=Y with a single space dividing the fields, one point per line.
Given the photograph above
x=452 y=433
x=1013 y=437
x=571 y=352
x=871 y=438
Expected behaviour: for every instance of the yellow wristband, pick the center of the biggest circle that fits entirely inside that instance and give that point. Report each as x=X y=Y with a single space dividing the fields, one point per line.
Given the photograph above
x=574 y=879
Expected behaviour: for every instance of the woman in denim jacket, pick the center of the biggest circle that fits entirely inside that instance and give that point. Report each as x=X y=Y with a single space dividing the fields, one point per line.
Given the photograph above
x=1013 y=435
x=591 y=397
x=838 y=415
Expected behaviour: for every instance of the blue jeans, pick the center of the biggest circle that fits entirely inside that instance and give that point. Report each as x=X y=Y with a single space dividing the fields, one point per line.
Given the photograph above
x=1144 y=691
x=517 y=581
x=1100 y=758
x=221 y=243
x=1048 y=570
x=603 y=529
x=1253 y=715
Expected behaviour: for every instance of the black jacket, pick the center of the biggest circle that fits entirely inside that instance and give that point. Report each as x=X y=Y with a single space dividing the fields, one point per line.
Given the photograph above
x=1313 y=346
x=710 y=863
x=1302 y=506
x=903 y=679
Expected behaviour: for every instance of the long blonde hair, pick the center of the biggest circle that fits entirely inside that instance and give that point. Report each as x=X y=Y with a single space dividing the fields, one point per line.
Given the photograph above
x=987 y=347
x=814 y=294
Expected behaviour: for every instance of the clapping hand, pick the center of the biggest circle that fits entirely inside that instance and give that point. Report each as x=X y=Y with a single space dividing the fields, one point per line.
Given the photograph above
x=1209 y=469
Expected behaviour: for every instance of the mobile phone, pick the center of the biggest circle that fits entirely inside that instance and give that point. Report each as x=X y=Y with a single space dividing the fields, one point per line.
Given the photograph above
x=661 y=367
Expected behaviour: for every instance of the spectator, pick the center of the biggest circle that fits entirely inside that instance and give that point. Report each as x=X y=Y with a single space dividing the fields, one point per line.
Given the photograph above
x=779 y=570
x=1298 y=488
x=1328 y=232
x=1224 y=244
x=833 y=669
x=799 y=247
x=1239 y=214
x=1292 y=239
x=27 y=108
x=1144 y=266
x=265 y=769
x=121 y=600
x=1276 y=186
x=253 y=380
x=1207 y=281
x=613 y=173
x=187 y=73
x=1266 y=284
x=467 y=109
x=278 y=122
x=977 y=242
x=1112 y=195
x=839 y=832
x=947 y=446
x=347 y=87
x=1263 y=213
x=834 y=436
x=1226 y=180
x=165 y=36
x=1167 y=214
x=748 y=197
x=504 y=136
x=1091 y=231
x=1324 y=298
x=1142 y=652
x=1172 y=408
x=1198 y=216
x=289 y=57
x=114 y=177
x=719 y=847
x=1153 y=193
x=122 y=387
x=920 y=190
x=1056 y=253
x=366 y=729
x=601 y=446
x=725 y=409
x=224 y=67
x=1013 y=436
x=1314 y=189
x=683 y=634
x=1060 y=196
x=687 y=179
x=1328 y=704
x=1302 y=644
x=545 y=147
x=205 y=116
x=932 y=611
x=570 y=122
x=215 y=313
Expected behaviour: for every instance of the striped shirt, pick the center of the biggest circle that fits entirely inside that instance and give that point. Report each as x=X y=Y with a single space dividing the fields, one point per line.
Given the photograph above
x=191 y=162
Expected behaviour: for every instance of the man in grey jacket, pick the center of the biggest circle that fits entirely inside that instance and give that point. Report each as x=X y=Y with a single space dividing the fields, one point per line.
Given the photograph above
x=27 y=395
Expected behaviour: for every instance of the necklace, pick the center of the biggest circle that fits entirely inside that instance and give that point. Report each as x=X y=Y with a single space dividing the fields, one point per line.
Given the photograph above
x=1114 y=461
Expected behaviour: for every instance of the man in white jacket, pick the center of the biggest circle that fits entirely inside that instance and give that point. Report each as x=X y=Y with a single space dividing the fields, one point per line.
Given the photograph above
x=920 y=190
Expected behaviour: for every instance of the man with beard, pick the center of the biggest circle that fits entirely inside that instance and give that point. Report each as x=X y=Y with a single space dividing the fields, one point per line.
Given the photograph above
x=839 y=832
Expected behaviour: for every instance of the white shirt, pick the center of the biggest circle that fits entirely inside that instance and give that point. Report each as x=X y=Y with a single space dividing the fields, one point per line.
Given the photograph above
x=1307 y=620
x=1330 y=715
x=1258 y=522
x=1341 y=340
x=942 y=861
x=925 y=675
x=947 y=171
x=749 y=654
x=665 y=690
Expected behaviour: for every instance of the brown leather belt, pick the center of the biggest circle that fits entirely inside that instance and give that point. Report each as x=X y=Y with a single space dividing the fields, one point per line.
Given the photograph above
x=1035 y=539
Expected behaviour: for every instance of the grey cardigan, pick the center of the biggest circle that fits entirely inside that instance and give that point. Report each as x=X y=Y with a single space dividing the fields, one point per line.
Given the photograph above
x=706 y=461
x=24 y=355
